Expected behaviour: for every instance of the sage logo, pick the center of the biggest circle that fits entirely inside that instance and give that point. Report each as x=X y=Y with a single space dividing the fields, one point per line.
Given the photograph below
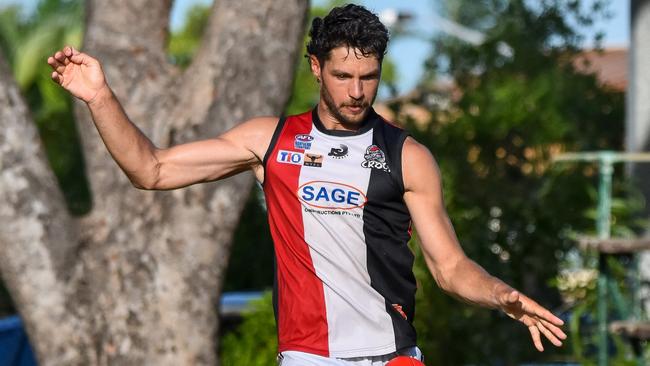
x=331 y=195
x=303 y=141
x=375 y=159
x=339 y=152
x=290 y=157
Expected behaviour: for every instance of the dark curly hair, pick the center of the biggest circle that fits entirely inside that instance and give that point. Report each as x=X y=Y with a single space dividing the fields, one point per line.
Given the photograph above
x=352 y=26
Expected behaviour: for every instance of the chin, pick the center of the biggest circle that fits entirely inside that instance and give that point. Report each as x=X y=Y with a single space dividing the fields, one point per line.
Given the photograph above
x=355 y=118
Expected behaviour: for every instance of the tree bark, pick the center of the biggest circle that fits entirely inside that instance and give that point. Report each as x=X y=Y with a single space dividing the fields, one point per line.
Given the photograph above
x=137 y=280
x=37 y=238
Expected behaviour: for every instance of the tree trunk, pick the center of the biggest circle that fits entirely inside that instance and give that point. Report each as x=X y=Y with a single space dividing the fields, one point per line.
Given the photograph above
x=141 y=280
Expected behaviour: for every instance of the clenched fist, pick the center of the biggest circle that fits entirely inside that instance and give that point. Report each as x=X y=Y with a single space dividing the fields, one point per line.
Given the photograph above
x=78 y=73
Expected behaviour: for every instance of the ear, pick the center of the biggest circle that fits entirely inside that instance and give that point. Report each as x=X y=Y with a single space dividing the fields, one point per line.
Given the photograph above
x=315 y=67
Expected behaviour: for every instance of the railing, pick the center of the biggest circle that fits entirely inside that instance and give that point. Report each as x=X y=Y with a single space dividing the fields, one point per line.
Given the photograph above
x=635 y=330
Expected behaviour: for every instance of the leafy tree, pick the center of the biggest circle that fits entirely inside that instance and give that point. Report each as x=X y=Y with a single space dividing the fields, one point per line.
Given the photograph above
x=254 y=342
x=184 y=43
x=513 y=210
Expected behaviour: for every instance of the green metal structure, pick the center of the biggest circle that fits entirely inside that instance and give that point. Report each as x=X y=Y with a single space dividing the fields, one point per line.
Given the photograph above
x=605 y=161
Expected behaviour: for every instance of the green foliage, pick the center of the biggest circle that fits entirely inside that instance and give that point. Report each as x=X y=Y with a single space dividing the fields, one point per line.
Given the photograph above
x=184 y=44
x=254 y=343
x=252 y=248
x=512 y=208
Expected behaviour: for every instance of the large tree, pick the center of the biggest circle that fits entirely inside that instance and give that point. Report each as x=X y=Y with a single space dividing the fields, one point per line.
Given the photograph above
x=137 y=280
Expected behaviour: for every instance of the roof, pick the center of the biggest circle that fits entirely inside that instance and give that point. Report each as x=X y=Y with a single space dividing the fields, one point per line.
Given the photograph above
x=610 y=66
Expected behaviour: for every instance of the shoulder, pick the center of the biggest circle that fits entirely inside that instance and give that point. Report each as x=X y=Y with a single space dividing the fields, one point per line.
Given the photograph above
x=418 y=165
x=253 y=135
x=253 y=131
x=415 y=150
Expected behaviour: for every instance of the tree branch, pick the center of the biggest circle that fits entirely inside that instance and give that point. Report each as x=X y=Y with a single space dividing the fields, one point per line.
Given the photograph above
x=36 y=233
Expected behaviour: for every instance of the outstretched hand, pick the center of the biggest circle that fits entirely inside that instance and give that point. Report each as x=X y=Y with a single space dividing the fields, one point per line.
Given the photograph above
x=78 y=73
x=538 y=319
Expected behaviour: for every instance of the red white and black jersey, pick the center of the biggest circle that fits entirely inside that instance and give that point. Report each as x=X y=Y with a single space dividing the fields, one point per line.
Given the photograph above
x=344 y=280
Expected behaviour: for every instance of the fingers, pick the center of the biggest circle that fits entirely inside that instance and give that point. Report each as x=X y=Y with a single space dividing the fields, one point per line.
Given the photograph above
x=542 y=313
x=537 y=341
x=539 y=326
x=548 y=334
x=76 y=56
x=553 y=328
x=531 y=307
x=61 y=57
x=509 y=297
x=68 y=54
x=56 y=64
x=57 y=78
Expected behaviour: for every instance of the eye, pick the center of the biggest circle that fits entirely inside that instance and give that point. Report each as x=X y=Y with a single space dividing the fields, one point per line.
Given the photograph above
x=370 y=77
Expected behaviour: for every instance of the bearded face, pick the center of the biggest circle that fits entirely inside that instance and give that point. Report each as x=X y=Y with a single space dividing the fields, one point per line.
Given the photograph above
x=349 y=83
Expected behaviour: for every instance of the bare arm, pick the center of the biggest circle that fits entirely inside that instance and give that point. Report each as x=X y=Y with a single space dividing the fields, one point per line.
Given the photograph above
x=454 y=272
x=147 y=166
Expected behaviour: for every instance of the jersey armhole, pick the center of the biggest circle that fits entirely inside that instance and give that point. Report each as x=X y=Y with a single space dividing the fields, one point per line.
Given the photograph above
x=274 y=141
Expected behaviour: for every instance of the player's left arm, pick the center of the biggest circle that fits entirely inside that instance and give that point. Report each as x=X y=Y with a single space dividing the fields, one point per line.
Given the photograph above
x=454 y=272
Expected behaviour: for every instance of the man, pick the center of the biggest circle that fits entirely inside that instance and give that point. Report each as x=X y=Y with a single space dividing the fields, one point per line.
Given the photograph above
x=342 y=187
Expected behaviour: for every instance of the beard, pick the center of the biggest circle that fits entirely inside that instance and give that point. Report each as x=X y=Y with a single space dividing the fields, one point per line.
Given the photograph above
x=336 y=111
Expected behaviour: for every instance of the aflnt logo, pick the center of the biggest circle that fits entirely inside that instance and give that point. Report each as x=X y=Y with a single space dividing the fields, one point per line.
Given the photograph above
x=303 y=141
x=331 y=195
x=375 y=159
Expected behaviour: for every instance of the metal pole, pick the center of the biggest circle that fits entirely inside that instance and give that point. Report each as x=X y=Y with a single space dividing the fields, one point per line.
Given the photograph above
x=637 y=126
x=638 y=112
x=603 y=226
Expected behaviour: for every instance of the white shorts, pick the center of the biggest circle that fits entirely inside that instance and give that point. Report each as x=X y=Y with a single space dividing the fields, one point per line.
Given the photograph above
x=296 y=358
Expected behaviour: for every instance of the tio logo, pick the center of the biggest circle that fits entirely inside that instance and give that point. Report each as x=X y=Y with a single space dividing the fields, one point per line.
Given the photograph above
x=290 y=157
x=331 y=195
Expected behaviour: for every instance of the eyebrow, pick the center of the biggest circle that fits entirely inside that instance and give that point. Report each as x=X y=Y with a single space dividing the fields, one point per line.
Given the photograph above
x=344 y=73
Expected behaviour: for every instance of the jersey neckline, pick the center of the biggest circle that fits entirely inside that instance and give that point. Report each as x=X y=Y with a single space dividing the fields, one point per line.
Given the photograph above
x=366 y=126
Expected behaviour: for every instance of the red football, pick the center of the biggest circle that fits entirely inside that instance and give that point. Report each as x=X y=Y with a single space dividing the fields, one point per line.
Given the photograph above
x=404 y=361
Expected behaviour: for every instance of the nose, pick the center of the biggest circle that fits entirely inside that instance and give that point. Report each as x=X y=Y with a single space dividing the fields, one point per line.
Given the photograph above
x=356 y=90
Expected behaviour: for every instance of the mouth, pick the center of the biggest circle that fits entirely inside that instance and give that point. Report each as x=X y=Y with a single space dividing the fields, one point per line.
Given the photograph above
x=355 y=109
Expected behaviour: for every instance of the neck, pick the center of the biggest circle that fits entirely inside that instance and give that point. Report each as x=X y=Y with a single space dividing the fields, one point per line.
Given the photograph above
x=331 y=122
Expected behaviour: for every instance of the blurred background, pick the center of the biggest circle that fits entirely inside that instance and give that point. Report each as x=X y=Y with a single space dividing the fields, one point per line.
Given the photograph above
x=498 y=90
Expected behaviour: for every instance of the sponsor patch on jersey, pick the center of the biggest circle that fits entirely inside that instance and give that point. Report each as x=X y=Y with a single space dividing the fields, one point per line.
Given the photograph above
x=331 y=195
x=313 y=159
x=339 y=152
x=303 y=141
x=290 y=157
x=375 y=159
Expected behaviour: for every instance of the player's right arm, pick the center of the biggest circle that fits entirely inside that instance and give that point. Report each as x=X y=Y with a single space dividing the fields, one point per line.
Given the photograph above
x=147 y=166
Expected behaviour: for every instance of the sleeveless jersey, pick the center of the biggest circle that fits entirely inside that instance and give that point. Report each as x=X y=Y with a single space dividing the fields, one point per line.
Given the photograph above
x=344 y=281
